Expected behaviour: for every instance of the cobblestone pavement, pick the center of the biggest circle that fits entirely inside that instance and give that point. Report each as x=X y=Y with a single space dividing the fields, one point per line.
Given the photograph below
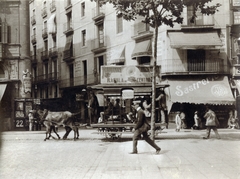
x=184 y=155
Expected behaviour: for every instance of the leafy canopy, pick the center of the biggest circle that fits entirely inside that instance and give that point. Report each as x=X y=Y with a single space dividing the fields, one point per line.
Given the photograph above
x=158 y=12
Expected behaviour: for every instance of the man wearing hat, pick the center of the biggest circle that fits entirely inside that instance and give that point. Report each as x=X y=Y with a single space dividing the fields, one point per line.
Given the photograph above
x=141 y=127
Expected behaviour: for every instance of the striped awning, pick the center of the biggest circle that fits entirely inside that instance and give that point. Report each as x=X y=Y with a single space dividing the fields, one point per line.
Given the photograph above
x=194 y=40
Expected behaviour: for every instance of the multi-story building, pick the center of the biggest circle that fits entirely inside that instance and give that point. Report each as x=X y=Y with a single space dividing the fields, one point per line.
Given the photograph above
x=15 y=64
x=72 y=39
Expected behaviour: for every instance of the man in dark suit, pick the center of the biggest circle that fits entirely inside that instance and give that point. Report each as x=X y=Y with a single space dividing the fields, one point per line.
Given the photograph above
x=141 y=128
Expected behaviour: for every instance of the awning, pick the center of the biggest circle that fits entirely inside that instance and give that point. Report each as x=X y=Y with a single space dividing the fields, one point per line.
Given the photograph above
x=193 y=40
x=237 y=82
x=143 y=48
x=201 y=91
x=2 y=90
x=118 y=56
x=51 y=24
x=68 y=42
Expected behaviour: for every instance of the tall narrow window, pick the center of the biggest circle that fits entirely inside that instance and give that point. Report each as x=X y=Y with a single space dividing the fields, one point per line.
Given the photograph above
x=45 y=45
x=46 y=70
x=119 y=22
x=71 y=74
x=100 y=63
x=101 y=34
x=84 y=38
x=69 y=21
x=55 y=91
x=83 y=9
x=0 y=30
x=85 y=71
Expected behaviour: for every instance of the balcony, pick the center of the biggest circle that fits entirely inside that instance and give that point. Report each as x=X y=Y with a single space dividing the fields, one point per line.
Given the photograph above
x=44 y=55
x=141 y=31
x=53 y=6
x=80 y=81
x=98 y=14
x=33 y=20
x=99 y=45
x=34 y=59
x=68 y=55
x=33 y=39
x=68 y=28
x=42 y=78
x=202 y=21
x=177 y=67
x=53 y=77
x=44 y=12
x=44 y=33
x=53 y=52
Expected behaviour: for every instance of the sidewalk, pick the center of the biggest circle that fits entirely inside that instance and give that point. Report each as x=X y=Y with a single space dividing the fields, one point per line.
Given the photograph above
x=184 y=155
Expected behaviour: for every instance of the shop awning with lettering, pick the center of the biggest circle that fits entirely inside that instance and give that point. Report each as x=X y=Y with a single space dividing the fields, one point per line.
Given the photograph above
x=201 y=91
x=2 y=90
x=194 y=40
x=143 y=48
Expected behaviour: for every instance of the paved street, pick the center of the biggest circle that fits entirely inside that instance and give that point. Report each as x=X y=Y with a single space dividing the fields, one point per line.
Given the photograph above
x=184 y=155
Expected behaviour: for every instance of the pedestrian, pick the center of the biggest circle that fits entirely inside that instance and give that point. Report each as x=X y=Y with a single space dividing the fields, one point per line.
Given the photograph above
x=147 y=106
x=183 y=119
x=107 y=111
x=197 y=121
x=31 y=120
x=178 y=121
x=211 y=123
x=141 y=128
x=232 y=121
x=162 y=105
x=93 y=107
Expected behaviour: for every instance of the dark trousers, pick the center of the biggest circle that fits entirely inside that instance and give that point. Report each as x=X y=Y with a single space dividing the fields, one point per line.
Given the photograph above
x=214 y=128
x=137 y=134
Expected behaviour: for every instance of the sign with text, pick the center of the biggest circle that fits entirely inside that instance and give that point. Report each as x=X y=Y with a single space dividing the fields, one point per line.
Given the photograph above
x=127 y=74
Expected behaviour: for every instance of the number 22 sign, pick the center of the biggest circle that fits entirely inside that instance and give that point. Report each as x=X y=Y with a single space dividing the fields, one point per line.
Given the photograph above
x=19 y=123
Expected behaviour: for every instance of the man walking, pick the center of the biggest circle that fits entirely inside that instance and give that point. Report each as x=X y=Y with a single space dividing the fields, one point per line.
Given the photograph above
x=142 y=127
x=211 y=123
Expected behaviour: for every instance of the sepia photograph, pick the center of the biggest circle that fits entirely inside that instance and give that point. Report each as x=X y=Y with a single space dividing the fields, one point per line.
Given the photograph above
x=119 y=89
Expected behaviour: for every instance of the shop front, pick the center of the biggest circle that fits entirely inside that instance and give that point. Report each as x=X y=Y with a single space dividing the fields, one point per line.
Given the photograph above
x=195 y=94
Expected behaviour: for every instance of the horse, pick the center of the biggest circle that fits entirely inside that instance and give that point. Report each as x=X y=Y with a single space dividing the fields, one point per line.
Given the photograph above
x=51 y=119
x=49 y=126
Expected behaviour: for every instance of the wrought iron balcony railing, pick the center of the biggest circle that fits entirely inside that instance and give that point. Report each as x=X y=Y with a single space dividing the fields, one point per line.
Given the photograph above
x=171 y=66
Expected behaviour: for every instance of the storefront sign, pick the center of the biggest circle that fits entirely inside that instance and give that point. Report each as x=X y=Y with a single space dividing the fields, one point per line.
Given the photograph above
x=27 y=83
x=180 y=90
x=127 y=74
x=235 y=3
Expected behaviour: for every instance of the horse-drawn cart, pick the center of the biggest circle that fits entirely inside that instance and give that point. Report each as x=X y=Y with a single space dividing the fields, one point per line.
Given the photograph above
x=116 y=122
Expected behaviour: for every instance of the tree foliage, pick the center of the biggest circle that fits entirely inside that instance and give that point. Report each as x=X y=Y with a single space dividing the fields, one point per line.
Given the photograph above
x=158 y=12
